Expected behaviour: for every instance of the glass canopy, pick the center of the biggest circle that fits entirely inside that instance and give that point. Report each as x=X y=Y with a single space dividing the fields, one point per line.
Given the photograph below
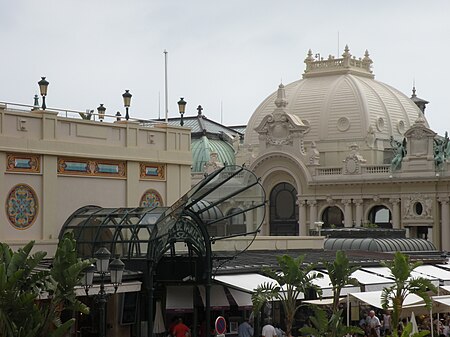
x=223 y=205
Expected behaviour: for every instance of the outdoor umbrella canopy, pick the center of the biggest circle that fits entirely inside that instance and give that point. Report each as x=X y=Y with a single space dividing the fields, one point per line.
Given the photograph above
x=158 y=325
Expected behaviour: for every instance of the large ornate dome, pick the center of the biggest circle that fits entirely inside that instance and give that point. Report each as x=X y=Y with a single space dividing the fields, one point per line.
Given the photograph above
x=340 y=101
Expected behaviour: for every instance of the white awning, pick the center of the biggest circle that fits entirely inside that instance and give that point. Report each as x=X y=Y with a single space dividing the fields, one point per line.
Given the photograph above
x=180 y=298
x=441 y=304
x=324 y=283
x=370 y=281
x=247 y=282
x=242 y=299
x=384 y=271
x=244 y=282
x=373 y=298
x=218 y=298
x=434 y=271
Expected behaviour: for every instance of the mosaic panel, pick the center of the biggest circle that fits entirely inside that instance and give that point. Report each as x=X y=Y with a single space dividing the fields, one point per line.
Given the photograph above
x=153 y=171
x=151 y=198
x=23 y=163
x=92 y=167
x=22 y=206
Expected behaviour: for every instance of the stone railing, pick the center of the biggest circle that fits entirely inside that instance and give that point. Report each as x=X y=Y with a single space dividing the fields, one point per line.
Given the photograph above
x=369 y=169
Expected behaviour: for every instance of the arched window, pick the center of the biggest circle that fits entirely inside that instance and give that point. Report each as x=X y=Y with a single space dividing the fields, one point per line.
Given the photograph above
x=381 y=216
x=332 y=217
x=283 y=210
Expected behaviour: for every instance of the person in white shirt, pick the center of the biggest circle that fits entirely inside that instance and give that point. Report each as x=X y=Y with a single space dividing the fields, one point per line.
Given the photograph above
x=373 y=322
x=268 y=330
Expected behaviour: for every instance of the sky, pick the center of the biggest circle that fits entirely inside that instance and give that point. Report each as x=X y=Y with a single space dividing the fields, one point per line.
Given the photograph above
x=226 y=55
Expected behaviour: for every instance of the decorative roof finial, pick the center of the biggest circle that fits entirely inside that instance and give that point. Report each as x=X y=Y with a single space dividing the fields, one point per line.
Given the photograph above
x=199 y=109
x=281 y=101
x=309 y=57
x=346 y=52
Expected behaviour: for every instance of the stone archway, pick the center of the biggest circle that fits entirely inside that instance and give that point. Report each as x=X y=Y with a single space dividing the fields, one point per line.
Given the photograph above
x=332 y=217
x=381 y=216
x=283 y=211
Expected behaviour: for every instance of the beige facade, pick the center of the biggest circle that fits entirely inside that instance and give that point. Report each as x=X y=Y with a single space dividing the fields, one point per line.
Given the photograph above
x=51 y=165
x=340 y=148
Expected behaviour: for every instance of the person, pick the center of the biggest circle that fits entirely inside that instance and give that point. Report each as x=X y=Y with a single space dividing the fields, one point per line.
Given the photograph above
x=373 y=322
x=181 y=329
x=268 y=329
x=245 y=329
x=387 y=324
x=172 y=324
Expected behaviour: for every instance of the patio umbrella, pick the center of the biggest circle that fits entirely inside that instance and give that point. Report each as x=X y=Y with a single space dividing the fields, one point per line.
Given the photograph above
x=415 y=328
x=158 y=324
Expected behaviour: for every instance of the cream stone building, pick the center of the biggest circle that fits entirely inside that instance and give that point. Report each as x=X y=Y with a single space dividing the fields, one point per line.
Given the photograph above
x=338 y=148
x=52 y=164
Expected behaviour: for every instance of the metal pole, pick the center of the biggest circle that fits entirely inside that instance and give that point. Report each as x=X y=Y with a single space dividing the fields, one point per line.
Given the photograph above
x=150 y=290
x=102 y=301
x=165 y=77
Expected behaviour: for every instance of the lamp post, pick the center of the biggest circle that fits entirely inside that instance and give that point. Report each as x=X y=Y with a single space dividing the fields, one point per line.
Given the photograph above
x=101 y=112
x=43 y=85
x=181 y=109
x=319 y=225
x=126 y=102
x=103 y=267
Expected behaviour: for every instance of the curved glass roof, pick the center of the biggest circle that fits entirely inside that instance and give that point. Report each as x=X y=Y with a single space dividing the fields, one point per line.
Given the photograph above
x=189 y=225
x=380 y=245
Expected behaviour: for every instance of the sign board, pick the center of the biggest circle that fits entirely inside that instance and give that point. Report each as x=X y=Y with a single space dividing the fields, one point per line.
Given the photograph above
x=220 y=325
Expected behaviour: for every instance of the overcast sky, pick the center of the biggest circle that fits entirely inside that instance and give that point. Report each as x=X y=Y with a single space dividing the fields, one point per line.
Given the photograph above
x=229 y=53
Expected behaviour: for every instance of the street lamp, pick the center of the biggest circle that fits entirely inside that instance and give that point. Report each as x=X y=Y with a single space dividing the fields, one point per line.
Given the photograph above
x=43 y=85
x=181 y=109
x=319 y=225
x=101 y=112
x=103 y=267
x=126 y=102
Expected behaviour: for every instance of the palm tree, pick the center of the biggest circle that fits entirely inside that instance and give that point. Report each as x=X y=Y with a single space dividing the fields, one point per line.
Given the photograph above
x=404 y=285
x=294 y=277
x=22 y=313
x=340 y=273
x=322 y=326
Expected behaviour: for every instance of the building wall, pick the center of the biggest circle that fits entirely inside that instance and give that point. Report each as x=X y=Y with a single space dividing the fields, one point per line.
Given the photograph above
x=70 y=163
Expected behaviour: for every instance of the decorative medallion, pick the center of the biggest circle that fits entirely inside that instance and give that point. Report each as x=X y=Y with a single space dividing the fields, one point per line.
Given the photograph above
x=150 y=171
x=343 y=124
x=92 y=167
x=401 y=127
x=151 y=198
x=22 y=206
x=23 y=163
x=380 y=124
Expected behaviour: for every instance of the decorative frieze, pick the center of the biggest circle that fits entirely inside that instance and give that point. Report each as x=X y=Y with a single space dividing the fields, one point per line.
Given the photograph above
x=92 y=167
x=17 y=162
x=149 y=171
x=151 y=198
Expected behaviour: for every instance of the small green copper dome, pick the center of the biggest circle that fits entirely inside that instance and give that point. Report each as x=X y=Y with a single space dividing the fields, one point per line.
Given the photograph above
x=203 y=147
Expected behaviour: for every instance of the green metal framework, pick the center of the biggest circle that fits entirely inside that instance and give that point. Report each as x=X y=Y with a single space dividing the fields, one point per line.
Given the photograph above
x=196 y=221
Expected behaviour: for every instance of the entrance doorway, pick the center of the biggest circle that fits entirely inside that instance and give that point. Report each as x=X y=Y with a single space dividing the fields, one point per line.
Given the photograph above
x=283 y=210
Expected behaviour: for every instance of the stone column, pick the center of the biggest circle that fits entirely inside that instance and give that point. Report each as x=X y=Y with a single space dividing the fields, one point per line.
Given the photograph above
x=348 y=219
x=395 y=212
x=312 y=212
x=302 y=226
x=359 y=212
x=445 y=223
